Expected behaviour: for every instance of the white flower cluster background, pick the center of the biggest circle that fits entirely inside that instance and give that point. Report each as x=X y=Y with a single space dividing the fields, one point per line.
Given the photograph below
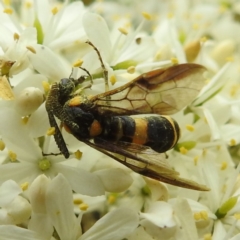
x=89 y=196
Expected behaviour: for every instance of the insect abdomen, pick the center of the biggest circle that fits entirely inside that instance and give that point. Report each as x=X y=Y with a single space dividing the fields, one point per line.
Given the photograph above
x=160 y=133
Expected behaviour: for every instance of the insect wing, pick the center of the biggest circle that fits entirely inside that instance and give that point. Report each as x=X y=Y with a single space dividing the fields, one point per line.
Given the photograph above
x=162 y=91
x=144 y=161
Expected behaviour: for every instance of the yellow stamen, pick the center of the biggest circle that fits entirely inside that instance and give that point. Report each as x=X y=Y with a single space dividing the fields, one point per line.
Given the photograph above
x=78 y=63
x=25 y=120
x=28 y=5
x=207 y=236
x=77 y=201
x=51 y=131
x=237 y=216
x=195 y=26
x=204 y=215
x=183 y=150
x=31 y=49
x=131 y=70
x=190 y=127
x=8 y=11
x=170 y=15
x=46 y=86
x=224 y=165
x=12 y=156
x=147 y=16
x=230 y=59
x=123 y=30
x=195 y=160
x=16 y=36
x=203 y=39
x=204 y=152
x=174 y=60
x=54 y=10
x=83 y=206
x=2 y=145
x=113 y=79
x=111 y=199
x=78 y=154
x=24 y=186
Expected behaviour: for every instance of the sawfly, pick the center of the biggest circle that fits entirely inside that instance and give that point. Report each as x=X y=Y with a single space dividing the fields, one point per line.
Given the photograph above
x=111 y=122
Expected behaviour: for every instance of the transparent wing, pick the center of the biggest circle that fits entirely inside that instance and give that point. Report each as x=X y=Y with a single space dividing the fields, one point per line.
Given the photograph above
x=162 y=91
x=144 y=161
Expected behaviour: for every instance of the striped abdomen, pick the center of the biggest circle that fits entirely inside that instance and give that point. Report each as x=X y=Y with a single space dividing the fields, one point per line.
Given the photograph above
x=160 y=133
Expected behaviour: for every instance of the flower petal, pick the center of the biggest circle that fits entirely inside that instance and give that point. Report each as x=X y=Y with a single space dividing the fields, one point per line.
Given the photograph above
x=8 y=191
x=16 y=233
x=114 y=179
x=59 y=204
x=98 y=33
x=114 y=225
x=160 y=214
x=48 y=63
x=82 y=181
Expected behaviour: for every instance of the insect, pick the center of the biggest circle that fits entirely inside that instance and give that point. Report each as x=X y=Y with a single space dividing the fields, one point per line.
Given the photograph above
x=105 y=121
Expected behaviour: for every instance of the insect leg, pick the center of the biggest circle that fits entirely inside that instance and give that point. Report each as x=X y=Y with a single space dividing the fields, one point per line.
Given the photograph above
x=58 y=136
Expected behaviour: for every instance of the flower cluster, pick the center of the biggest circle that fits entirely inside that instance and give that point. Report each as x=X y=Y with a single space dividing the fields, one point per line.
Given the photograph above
x=91 y=196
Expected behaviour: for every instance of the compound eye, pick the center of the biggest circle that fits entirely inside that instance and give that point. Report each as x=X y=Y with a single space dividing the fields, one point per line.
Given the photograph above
x=64 y=81
x=66 y=86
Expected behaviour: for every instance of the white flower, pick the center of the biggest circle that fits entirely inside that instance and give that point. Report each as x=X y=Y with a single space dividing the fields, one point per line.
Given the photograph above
x=14 y=208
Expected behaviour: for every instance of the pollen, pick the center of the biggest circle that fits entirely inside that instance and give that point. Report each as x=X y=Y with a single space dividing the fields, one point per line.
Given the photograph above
x=204 y=152
x=2 y=145
x=28 y=5
x=230 y=59
x=197 y=216
x=233 y=142
x=170 y=15
x=77 y=201
x=192 y=49
x=76 y=101
x=24 y=186
x=113 y=79
x=78 y=154
x=158 y=55
x=78 y=63
x=123 y=31
x=8 y=11
x=83 y=206
x=31 y=49
x=7 y=2
x=112 y=199
x=174 y=60
x=183 y=150
x=16 y=36
x=51 y=131
x=234 y=89
x=13 y=156
x=224 y=165
x=46 y=86
x=54 y=10
x=195 y=26
x=131 y=70
x=202 y=215
x=147 y=16
x=237 y=216
x=203 y=39
x=25 y=120
x=207 y=236
x=190 y=127
x=195 y=160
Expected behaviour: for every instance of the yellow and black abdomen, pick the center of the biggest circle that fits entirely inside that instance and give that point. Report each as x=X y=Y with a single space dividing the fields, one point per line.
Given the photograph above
x=160 y=133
